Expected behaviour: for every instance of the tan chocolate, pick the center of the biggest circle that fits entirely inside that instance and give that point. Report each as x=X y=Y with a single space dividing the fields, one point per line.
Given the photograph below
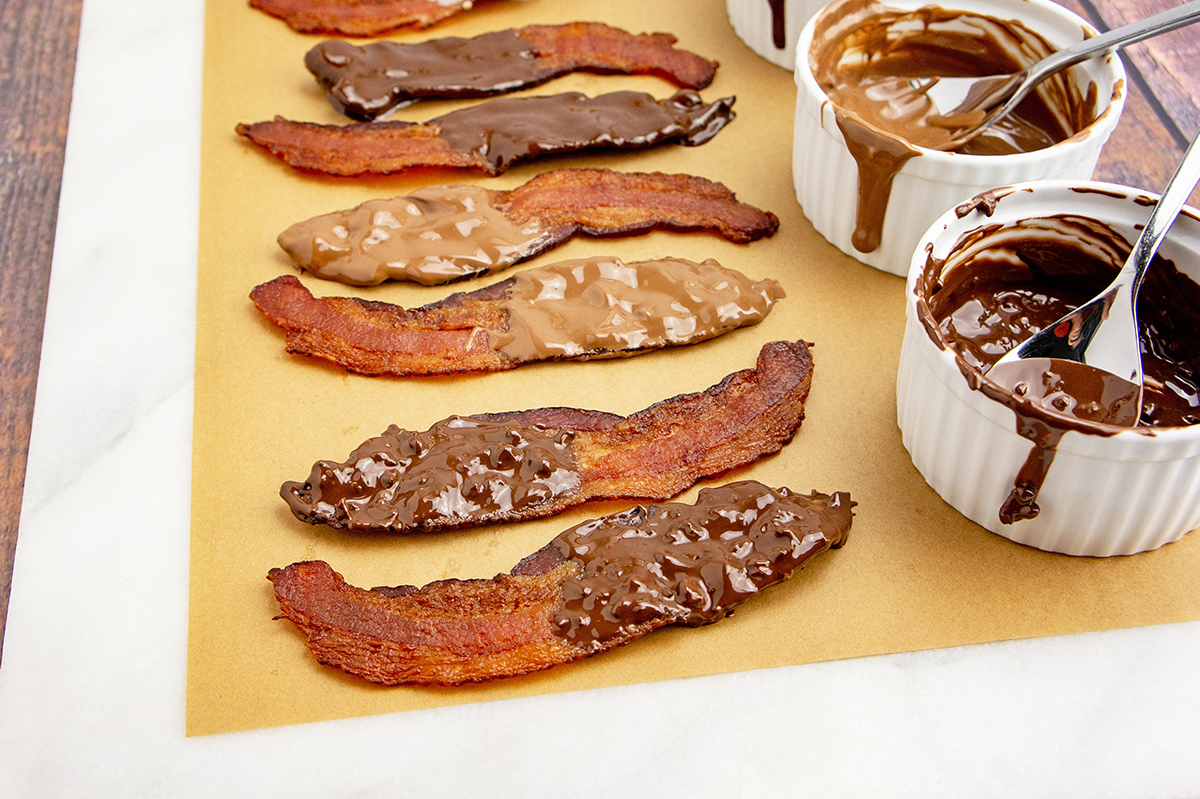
x=602 y=307
x=433 y=235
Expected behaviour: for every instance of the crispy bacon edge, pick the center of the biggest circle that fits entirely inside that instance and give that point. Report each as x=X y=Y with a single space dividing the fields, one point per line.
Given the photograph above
x=378 y=338
x=653 y=454
x=361 y=18
x=452 y=632
x=557 y=50
x=452 y=336
x=606 y=203
x=384 y=148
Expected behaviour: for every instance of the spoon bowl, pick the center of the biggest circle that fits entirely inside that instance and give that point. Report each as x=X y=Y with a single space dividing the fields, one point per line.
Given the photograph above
x=1110 y=490
x=1103 y=332
x=965 y=107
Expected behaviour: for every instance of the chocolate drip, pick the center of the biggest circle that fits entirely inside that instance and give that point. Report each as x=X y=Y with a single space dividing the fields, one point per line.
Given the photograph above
x=1001 y=285
x=864 y=55
x=778 y=23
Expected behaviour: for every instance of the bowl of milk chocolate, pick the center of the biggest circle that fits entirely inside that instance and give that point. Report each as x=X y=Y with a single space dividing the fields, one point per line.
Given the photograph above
x=871 y=184
x=1043 y=464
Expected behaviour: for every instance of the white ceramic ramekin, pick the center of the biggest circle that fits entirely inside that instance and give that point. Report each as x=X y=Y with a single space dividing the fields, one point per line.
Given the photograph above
x=826 y=175
x=1103 y=494
x=755 y=21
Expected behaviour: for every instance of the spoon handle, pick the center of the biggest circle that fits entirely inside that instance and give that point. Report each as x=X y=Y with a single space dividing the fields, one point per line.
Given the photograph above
x=1174 y=197
x=1132 y=33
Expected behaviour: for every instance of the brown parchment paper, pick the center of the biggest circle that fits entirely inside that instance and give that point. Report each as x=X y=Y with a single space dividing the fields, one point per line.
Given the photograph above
x=914 y=574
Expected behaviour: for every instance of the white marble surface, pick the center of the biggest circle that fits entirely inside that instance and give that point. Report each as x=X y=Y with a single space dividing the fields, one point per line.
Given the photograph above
x=92 y=684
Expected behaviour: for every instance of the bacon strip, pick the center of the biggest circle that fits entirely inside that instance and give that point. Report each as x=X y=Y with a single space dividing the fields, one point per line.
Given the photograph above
x=365 y=82
x=420 y=236
x=376 y=338
x=492 y=135
x=514 y=322
x=601 y=202
x=536 y=463
x=589 y=590
x=362 y=17
x=568 y=311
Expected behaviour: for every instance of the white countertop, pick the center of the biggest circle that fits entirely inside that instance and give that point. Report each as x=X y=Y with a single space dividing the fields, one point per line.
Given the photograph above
x=92 y=683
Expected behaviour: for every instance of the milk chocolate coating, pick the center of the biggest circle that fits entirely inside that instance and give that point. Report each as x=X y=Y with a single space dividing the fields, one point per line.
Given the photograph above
x=603 y=306
x=863 y=62
x=365 y=82
x=434 y=234
x=506 y=130
x=1026 y=276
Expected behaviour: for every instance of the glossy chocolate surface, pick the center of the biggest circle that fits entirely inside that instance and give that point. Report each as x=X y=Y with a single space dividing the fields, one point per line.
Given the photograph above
x=863 y=56
x=458 y=470
x=366 y=81
x=600 y=307
x=691 y=564
x=432 y=235
x=508 y=129
x=1002 y=284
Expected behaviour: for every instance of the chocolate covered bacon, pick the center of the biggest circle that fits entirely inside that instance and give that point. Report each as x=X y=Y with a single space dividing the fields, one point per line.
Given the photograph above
x=596 y=586
x=439 y=234
x=500 y=467
x=494 y=134
x=362 y=17
x=573 y=310
x=365 y=82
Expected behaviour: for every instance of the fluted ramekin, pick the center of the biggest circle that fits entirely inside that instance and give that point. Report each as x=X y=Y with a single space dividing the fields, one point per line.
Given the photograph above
x=757 y=23
x=1110 y=494
x=826 y=175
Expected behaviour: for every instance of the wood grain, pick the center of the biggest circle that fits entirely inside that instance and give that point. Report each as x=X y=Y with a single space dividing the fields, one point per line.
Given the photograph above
x=1162 y=108
x=37 y=57
x=37 y=65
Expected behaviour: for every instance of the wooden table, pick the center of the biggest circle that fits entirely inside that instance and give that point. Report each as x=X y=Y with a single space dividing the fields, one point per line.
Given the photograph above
x=37 y=45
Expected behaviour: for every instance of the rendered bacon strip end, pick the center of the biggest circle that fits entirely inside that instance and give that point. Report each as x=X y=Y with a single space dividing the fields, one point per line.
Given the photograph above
x=473 y=470
x=574 y=310
x=596 y=586
x=492 y=135
x=361 y=17
x=365 y=82
x=440 y=234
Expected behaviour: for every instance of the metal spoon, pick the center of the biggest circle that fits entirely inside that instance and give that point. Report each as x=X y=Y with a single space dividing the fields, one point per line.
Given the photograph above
x=1103 y=332
x=972 y=104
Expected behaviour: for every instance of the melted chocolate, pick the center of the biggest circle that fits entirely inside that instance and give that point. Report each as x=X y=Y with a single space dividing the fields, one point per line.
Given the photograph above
x=863 y=56
x=435 y=234
x=690 y=563
x=778 y=23
x=458 y=470
x=602 y=307
x=1001 y=285
x=508 y=129
x=364 y=82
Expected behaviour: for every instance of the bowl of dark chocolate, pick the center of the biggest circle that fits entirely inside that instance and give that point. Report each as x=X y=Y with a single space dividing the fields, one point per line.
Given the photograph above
x=1045 y=468
x=866 y=167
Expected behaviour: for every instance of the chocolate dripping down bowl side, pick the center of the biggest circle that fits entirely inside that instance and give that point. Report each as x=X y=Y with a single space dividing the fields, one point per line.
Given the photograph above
x=771 y=28
x=1114 y=491
x=826 y=175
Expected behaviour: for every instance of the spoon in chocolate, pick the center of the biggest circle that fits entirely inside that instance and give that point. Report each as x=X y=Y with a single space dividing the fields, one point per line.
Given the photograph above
x=1102 y=334
x=965 y=107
